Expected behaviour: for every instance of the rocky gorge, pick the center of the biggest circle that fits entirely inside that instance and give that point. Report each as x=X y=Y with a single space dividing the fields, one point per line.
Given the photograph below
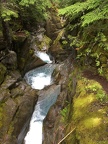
x=80 y=113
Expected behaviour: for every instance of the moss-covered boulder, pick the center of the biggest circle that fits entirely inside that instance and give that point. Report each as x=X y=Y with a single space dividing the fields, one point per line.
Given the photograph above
x=88 y=114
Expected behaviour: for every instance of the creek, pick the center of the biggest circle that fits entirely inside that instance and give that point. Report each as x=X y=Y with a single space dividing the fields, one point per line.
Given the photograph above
x=38 y=79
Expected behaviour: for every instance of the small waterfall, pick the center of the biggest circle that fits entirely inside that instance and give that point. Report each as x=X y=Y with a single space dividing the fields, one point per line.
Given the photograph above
x=34 y=136
x=43 y=56
x=38 y=79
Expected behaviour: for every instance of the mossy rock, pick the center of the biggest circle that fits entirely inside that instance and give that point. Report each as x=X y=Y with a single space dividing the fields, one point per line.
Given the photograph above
x=20 y=36
x=88 y=114
x=45 y=44
x=2 y=72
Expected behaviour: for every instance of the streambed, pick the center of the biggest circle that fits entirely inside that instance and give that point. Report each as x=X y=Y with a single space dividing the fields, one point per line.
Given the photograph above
x=39 y=78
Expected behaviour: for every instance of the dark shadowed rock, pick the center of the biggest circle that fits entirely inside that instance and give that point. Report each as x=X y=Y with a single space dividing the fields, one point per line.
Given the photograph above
x=10 y=60
x=53 y=24
x=53 y=123
x=2 y=72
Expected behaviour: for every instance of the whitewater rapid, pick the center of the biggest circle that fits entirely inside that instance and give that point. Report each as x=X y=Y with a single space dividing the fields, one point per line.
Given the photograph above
x=39 y=78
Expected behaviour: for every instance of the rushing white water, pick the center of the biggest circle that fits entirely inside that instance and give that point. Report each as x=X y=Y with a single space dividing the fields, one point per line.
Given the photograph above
x=43 y=56
x=34 y=136
x=38 y=79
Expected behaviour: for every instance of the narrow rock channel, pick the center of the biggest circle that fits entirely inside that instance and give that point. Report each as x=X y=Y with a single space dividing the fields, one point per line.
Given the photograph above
x=39 y=78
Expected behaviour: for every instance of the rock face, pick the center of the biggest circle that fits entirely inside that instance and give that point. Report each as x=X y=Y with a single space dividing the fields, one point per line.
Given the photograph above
x=54 y=30
x=53 y=24
x=53 y=123
x=17 y=102
x=17 y=99
x=27 y=58
x=56 y=49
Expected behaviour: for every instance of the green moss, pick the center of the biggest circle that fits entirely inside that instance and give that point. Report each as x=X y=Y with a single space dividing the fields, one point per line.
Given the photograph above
x=96 y=88
x=91 y=130
x=88 y=115
x=80 y=106
x=45 y=43
x=47 y=40
x=59 y=37
x=20 y=36
x=11 y=128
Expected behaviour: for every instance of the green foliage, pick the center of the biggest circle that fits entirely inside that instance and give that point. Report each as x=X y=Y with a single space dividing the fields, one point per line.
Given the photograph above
x=88 y=31
x=9 y=10
x=38 y=3
x=25 y=13
x=64 y=112
x=95 y=15
x=27 y=2
x=97 y=90
x=90 y=11
x=38 y=8
x=7 y=14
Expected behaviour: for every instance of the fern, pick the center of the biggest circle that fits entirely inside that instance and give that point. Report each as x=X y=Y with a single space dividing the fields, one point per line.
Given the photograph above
x=89 y=11
x=95 y=15
x=27 y=2
x=7 y=13
x=72 y=11
x=79 y=7
x=87 y=32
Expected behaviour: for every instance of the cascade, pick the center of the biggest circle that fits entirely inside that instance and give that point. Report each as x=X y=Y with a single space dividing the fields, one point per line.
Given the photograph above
x=39 y=78
x=43 y=56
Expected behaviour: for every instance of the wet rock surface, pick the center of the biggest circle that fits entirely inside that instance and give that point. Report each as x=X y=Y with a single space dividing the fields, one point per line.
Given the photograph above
x=17 y=103
x=26 y=51
x=53 y=123
x=17 y=99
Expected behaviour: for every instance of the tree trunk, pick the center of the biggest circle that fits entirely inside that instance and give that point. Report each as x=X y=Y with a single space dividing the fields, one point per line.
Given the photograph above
x=6 y=34
x=6 y=31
